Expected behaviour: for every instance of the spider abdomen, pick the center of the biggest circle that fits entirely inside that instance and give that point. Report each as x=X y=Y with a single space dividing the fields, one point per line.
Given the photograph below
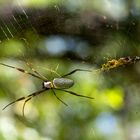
x=63 y=83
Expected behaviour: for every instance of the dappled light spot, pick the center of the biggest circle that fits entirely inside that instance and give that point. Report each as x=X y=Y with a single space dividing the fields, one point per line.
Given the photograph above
x=114 y=98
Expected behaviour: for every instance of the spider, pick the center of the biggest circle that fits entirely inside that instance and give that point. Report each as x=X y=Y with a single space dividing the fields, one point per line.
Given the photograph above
x=62 y=83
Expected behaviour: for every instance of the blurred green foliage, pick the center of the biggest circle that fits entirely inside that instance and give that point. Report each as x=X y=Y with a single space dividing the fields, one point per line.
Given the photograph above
x=114 y=111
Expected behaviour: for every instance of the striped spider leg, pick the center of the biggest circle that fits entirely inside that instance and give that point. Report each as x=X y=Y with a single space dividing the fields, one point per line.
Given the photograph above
x=26 y=98
x=75 y=70
x=30 y=96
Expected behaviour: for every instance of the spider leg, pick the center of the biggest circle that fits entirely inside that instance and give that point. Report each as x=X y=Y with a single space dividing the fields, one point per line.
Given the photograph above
x=58 y=97
x=75 y=71
x=26 y=97
x=23 y=71
x=20 y=99
x=73 y=93
x=25 y=104
x=36 y=72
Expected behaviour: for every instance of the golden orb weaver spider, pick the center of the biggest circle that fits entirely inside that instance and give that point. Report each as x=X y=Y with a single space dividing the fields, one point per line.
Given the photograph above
x=61 y=84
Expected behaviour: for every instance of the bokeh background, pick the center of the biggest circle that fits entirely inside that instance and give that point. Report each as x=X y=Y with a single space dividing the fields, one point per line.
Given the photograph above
x=55 y=37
